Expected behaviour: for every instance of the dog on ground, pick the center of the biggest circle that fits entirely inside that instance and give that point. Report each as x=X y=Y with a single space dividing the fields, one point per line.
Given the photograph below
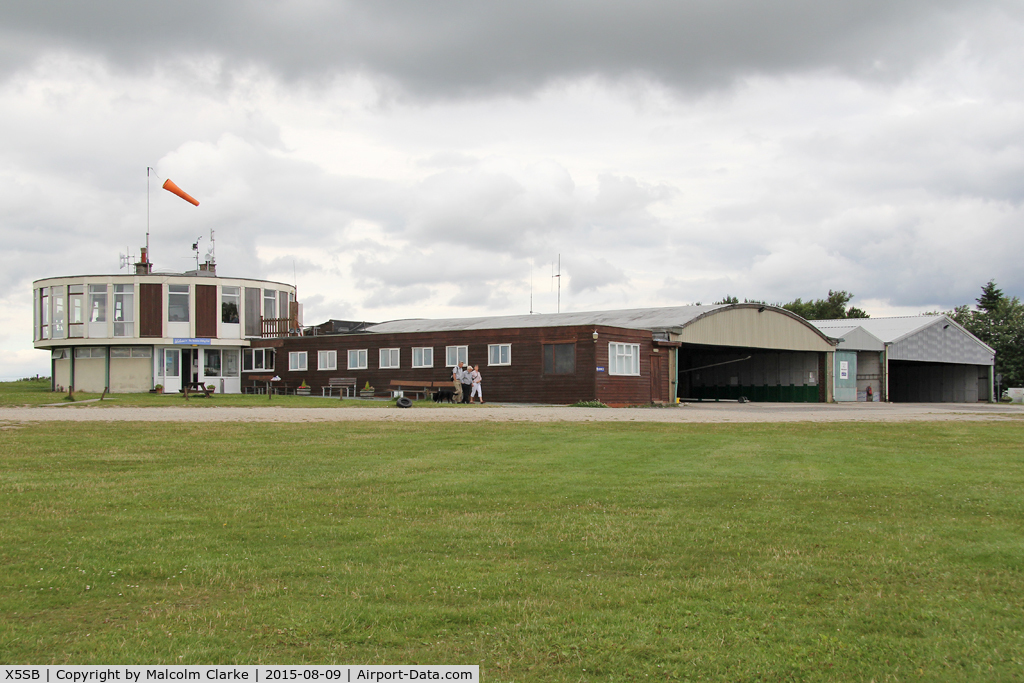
x=444 y=396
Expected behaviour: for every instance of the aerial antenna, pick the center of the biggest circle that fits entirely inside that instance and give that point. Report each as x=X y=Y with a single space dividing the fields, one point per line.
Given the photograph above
x=211 y=253
x=149 y=171
x=531 y=287
x=195 y=248
x=558 y=277
x=125 y=259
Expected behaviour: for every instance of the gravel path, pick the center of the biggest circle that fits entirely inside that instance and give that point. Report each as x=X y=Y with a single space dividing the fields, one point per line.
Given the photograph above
x=687 y=413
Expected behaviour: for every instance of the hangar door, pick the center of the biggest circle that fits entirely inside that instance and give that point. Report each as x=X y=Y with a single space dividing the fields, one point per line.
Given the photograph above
x=920 y=382
x=715 y=373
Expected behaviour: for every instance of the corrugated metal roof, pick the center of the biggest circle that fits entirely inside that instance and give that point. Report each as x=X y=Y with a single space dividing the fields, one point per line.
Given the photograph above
x=902 y=328
x=633 y=318
x=886 y=329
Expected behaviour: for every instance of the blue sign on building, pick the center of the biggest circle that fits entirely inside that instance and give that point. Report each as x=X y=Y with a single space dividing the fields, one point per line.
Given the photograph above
x=192 y=341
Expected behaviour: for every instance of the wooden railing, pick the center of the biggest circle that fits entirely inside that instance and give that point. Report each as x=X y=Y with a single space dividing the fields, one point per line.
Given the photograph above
x=279 y=327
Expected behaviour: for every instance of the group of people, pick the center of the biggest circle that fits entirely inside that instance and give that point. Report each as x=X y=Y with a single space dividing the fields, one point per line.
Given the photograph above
x=467 y=382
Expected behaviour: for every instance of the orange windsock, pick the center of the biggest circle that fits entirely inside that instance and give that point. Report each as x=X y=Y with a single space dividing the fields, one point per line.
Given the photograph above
x=171 y=187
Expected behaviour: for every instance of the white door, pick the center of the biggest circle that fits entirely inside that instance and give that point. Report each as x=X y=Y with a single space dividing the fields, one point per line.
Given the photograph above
x=172 y=370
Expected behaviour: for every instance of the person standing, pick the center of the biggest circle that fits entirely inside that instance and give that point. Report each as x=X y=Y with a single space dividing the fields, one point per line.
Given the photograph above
x=467 y=383
x=457 y=383
x=477 y=381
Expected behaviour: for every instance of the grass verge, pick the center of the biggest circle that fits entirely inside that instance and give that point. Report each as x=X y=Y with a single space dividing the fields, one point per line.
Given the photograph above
x=541 y=552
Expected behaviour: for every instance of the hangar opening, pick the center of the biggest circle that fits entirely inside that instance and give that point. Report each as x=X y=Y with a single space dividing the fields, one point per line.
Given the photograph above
x=920 y=382
x=760 y=375
x=760 y=353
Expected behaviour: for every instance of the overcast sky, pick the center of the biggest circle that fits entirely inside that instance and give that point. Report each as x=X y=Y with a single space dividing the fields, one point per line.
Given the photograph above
x=433 y=159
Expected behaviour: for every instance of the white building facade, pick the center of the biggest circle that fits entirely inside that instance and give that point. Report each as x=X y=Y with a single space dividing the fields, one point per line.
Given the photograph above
x=130 y=333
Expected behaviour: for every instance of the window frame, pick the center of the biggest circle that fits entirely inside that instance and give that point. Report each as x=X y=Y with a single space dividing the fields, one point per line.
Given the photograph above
x=448 y=355
x=423 y=352
x=97 y=303
x=394 y=359
x=228 y=299
x=617 y=357
x=499 y=348
x=361 y=355
x=122 y=313
x=294 y=356
x=173 y=293
x=249 y=359
x=331 y=354
x=554 y=358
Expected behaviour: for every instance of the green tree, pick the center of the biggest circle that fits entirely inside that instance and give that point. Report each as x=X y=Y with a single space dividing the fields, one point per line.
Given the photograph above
x=833 y=307
x=998 y=320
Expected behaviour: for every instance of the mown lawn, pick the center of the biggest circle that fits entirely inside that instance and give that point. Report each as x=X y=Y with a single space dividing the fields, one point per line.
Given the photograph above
x=549 y=552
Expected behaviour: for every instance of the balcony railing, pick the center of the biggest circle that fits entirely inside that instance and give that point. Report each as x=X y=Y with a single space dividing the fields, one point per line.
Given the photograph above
x=280 y=327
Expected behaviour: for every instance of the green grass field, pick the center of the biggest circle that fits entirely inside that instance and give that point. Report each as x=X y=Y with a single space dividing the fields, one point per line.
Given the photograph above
x=541 y=552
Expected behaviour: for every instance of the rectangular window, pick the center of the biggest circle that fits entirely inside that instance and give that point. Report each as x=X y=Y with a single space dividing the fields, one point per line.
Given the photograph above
x=124 y=310
x=44 y=313
x=499 y=354
x=230 y=362
x=90 y=352
x=297 y=361
x=131 y=352
x=453 y=355
x=623 y=359
x=258 y=359
x=76 y=310
x=177 y=303
x=423 y=357
x=388 y=359
x=559 y=359
x=282 y=299
x=252 y=312
x=57 y=299
x=269 y=304
x=357 y=359
x=59 y=354
x=230 y=299
x=172 y=358
x=326 y=360
x=97 y=303
x=211 y=362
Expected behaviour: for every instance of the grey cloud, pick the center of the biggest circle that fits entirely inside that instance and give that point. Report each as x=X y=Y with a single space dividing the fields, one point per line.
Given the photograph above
x=414 y=267
x=449 y=48
x=384 y=296
x=591 y=274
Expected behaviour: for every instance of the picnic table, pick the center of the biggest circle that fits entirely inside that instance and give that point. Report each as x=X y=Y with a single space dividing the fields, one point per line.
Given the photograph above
x=194 y=389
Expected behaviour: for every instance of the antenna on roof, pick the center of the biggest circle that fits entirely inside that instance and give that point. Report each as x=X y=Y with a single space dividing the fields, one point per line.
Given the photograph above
x=531 y=287
x=195 y=248
x=558 y=276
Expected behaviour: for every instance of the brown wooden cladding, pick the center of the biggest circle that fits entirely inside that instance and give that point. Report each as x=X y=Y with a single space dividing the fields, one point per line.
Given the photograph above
x=206 y=311
x=524 y=381
x=151 y=310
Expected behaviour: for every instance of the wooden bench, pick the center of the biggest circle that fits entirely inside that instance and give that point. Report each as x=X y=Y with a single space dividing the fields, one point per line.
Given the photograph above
x=346 y=384
x=413 y=387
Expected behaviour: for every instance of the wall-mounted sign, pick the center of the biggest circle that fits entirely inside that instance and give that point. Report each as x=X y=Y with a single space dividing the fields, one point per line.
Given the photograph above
x=192 y=341
x=844 y=369
x=600 y=369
